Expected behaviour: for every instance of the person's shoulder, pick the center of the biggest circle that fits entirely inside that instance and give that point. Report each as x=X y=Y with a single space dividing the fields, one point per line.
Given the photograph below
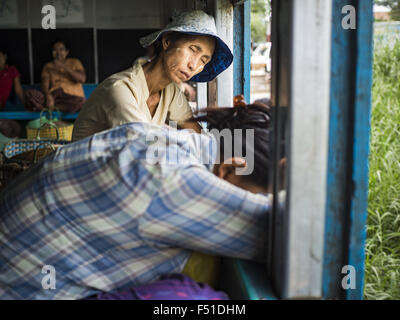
x=13 y=70
x=129 y=74
x=136 y=70
x=73 y=60
x=126 y=75
x=173 y=88
x=114 y=80
x=139 y=62
x=172 y=92
x=127 y=81
x=48 y=65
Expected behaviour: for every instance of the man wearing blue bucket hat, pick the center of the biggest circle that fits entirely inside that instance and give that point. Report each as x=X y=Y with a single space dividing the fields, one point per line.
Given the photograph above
x=188 y=48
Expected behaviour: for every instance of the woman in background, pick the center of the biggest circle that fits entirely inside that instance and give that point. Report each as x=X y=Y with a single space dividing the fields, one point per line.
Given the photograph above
x=9 y=77
x=62 y=81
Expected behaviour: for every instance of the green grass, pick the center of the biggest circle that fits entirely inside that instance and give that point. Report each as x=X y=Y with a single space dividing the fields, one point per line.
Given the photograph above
x=382 y=272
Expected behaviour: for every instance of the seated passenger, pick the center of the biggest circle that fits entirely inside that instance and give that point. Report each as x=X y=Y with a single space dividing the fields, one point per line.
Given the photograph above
x=62 y=81
x=121 y=208
x=186 y=49
x=9 y=77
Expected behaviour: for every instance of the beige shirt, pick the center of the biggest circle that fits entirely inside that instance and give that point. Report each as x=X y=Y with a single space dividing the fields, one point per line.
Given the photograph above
x=121 y=98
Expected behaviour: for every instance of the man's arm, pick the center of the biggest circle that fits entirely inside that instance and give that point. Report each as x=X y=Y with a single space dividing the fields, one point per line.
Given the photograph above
x=46 y=89
x=198 y=211
x=77 y=75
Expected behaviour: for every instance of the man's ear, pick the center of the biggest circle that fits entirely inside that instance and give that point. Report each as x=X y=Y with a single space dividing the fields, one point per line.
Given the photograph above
x=228 y=166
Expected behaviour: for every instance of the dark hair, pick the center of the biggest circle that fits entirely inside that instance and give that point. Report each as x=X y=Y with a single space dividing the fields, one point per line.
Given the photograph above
x=8 y=61
x=60 y=41
x=252 y=116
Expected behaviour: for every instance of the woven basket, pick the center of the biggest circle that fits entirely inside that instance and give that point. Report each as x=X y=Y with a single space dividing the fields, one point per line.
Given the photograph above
x=60 y=130
x=53 y=129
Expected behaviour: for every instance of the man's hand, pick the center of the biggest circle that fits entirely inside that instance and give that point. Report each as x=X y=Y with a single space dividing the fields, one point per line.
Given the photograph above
x=59 y=64
x=75 y=75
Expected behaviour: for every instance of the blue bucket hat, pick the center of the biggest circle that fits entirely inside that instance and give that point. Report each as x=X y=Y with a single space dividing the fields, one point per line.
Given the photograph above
x=197 y=23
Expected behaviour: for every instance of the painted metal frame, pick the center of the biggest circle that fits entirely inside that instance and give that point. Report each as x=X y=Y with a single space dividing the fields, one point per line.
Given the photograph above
x=30 y=50
x=343 y=233
x=241 y=49
x=201 y=87
x=347 y=189
x=308 y=146
x=95 y=48
x=362 y=116
x=223 y=13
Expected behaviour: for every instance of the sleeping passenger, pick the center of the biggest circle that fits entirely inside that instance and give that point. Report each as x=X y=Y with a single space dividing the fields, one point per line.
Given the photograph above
x=124 y=207
x=152 y=90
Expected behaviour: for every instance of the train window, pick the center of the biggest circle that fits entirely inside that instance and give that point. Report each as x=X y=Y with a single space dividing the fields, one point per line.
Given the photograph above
x=300 y=96
x=316 y=229
x=306 y=72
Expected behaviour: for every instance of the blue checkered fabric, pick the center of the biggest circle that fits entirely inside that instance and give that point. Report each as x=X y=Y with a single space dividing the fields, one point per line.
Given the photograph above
x=109 y=213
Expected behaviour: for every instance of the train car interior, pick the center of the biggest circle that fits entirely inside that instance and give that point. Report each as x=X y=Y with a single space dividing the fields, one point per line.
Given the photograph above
x=316 y=102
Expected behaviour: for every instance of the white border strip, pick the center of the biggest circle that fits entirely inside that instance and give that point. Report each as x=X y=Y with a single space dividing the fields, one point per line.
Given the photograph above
x=310 y=96
x=224 y=23
x=201 y=95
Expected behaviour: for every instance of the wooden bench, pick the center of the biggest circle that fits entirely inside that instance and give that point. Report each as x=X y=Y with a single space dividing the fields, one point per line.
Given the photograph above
x=15 y=110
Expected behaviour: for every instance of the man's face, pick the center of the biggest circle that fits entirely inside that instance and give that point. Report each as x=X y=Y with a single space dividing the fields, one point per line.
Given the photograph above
x=187 y=57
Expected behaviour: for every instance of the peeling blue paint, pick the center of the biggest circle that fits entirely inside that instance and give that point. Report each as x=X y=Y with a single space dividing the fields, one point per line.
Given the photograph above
x=347 y=183
x=241 y=50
